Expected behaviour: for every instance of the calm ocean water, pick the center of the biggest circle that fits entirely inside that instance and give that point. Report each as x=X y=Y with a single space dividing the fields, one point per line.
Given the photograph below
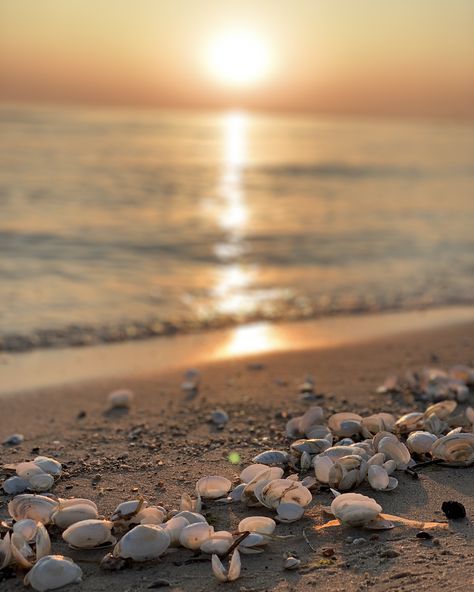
x=123 y=224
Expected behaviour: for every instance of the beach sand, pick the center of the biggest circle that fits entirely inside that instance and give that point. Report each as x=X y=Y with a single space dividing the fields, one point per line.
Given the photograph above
x=164 y=443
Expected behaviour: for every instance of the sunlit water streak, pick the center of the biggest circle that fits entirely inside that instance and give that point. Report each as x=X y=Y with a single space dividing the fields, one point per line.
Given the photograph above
x=118 y=225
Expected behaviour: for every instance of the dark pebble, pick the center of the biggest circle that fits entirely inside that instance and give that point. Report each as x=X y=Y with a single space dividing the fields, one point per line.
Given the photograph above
x=424 y=535
x=453 y=510
x=159 y=584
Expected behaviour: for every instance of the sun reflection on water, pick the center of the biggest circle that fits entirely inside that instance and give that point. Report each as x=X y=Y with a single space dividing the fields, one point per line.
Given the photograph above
x=252 y=339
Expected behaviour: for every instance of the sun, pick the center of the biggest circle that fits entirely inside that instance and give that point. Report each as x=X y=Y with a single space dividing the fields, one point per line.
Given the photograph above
x=239 y=57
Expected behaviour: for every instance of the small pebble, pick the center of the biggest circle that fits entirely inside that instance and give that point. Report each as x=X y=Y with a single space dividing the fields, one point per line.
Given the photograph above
x=424 y=535
x=453 y=510
x=14 y=440
x=359 y=541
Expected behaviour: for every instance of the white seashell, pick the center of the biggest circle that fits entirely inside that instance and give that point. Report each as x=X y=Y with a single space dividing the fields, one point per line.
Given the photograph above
x=390 y=466
x=395 y=450
x=292 y=563
x=443 y=409
x=252 y=471
x=191 y=517
x=284 y=490
x=259 y=524
x=377 y=459
x=41 y=482
x=13 y=440
x=14 y=485
x=289 y=512
x=376 y=439
x=22 y=553
x=150 y=515
x=174 y=527
x=314 y=416
x=409 y=422
x=248 y=496
x=305 y=461
x=320 y=432
x=253 y=544
x=378 y=477
x=322 y=467
x=127 y=510
x=53 y=571
x=234 y=568
x=336 y=452
x=345 y=424
x=89 y=534
x=5 y=551
x=470 y=414
x=310 y=446
x=213 y=487
x=272 y=457
x=377 y=422
x=42 y=542
x=143 y=543
x=69 y=514
x=120 y=399
x=456 y=449
x=433 y=424
x=219 y=543
x=354 y=509
x=194 y=535
x=190 y=504
x=48 y=465
x=420 y=442
x=37 y=507
x=27 y=528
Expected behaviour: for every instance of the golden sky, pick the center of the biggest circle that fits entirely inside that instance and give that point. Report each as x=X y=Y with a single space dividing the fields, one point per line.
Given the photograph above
x=410 y=57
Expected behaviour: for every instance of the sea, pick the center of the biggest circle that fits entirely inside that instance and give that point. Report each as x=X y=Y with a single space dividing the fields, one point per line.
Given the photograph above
x=124 y=224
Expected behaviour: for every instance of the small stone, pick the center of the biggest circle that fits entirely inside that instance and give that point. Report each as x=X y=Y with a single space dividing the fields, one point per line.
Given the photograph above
x=159 y=584
x=424 y=535
x=389 y=553
x=359 y=541
x=453 y=510
x=328 y=552
x=14 y=440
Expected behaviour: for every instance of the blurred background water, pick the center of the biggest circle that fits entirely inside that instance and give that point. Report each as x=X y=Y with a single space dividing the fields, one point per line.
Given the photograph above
x=125 y=224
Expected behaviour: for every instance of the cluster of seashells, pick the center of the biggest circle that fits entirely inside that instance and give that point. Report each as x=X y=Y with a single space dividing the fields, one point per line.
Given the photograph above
x=341 y=453
x=434 y=384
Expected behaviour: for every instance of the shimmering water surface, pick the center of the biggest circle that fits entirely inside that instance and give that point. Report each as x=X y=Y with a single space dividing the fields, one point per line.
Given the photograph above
x=122 y=224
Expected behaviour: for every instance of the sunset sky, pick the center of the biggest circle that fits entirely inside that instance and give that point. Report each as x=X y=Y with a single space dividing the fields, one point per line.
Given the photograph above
x=388 y=57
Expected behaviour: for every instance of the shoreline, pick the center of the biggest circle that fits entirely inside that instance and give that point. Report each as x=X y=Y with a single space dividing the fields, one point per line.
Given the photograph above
x=164 y=443
x=52 y=367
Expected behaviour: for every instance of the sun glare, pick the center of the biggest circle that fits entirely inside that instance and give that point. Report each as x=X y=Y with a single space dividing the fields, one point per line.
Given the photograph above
x=239 y=57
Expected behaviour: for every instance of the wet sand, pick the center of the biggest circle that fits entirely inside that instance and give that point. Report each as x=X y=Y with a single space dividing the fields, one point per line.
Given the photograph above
x=164 y=443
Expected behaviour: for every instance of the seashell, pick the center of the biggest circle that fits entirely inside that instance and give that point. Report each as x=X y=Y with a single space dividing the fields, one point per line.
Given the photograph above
x=314 y=416
x=318 y=432
x=378 y=477
x=322 y=467
x=194 y=535
x=454 y=431
x=213 y=487
x=305 y=461
x=395 y=450
x=283 y=490
x=219 y=418
x=377 y=459
x=409 y=422
x=289 y=512
x=259 y=524
x=345 y=442
x=345 y=424
x=5 y=551
x=191 y=517
x=190 y=504
x=174 y=527
x=390 y=466
x=310 y=446
x=37 y=507
x=150 y=515
x=456 y=449
x=53 y=571
x=292 y=563
x=127 y=510
x=354 y=509
x=27 y=528
x=336 y=452
x=434 y=424
x=378 y=422
x=143 y=543
x=462 y=373
x=461 y=392
x=272 y=457
x=420 y=442
x=120 y=399
x=252 y=471
x=248 y=496
x=70 y=513
x=253 y=544
x=89 y=534
x=310 y=483
x=443 y=409
x=219 y=543
x=13 y=440
x=14 y=485
x=376 y=439
x=22 y=553
x=36 y=478
x=42 y=542
x=48 y=465
x=470 y=414
x=234 y=568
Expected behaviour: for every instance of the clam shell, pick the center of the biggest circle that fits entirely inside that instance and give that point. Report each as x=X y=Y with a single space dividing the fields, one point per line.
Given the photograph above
x=234 y=568
x=37 y=507
x=127 y=510
x=377 y=422
x=253 y=544
x=191 y=517
x=174 y=527
x=42 y=542
x=150 y=515
x=322 y=468
x=345 y=424
x=143 y=543
x=272 y=457
x=289 y=512
x=395 y=450
x=14 y=485
x=292 y=563
x=69 y=514
x=455 y=449
x=354 y=509
x=443 y=409
x=313 y=416
x=259 y=524
x=213 y=487
x=378 y=477
x=89 y=534
x=252 y=471
x=27 y=528
x=5 y=551
x=310 y=446
x=53 y=571
x=409 y=422
x=219 y=543
x=48 y=465
x=193 y=536
x=284 y=490
x=420 y=442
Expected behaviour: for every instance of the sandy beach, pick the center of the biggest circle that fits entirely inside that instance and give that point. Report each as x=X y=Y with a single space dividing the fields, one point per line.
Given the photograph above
x=165 y=442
